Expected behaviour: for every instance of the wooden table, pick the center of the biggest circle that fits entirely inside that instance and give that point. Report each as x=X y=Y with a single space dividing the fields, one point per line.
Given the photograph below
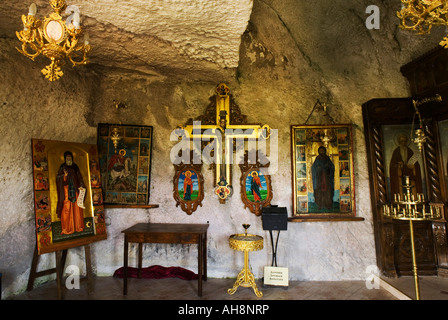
x=167 y=233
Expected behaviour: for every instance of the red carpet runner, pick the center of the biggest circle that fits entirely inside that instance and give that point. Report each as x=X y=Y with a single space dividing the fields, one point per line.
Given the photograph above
x=158 y=272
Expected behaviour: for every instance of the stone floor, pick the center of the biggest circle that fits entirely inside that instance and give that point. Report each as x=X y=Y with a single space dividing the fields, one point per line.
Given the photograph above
x=110 y=288
x=176 y=296
x=430 y=287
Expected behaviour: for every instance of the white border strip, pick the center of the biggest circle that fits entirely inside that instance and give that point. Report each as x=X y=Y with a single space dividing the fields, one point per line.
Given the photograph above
x=391 y=289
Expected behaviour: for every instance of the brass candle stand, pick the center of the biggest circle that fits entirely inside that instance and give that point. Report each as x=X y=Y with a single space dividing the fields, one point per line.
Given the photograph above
x=412 y=208
x=245 y=242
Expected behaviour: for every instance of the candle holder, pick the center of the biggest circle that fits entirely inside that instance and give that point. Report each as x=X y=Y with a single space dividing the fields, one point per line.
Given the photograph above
x=246 y=243
x=412 y=207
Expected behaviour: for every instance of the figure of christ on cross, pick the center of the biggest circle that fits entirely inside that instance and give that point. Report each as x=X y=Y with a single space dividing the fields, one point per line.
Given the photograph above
x=222 y=134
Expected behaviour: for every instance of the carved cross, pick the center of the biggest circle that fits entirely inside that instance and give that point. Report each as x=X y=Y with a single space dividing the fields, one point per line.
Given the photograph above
x=223 y=126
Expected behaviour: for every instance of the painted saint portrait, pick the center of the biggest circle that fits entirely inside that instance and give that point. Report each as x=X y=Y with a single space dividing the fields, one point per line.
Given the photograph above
x=256 y=186
x=188 y=190
x=404 y=163
x=67 y=192
x=322 y=172
x=41 y=182
x=71 y=191
x=401 y=158
x=188 y=185
x=256 y=189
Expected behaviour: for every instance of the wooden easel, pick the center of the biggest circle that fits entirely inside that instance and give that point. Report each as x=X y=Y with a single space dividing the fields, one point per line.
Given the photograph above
x=61 y=256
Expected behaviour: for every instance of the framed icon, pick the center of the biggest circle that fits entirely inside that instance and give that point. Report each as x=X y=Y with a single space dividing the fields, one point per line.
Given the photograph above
x=125 y=163
x=322 y=171
x=66 y=184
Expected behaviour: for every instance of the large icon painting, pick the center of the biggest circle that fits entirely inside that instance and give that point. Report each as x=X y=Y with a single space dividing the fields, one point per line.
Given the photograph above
x=68 y=202
x=322 y=165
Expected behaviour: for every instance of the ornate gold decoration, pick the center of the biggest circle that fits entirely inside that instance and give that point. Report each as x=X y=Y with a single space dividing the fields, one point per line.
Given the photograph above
x=120 y=105
x=420 y=138
x=422 y=15
x=54 y=38
x=115 y=137
x=412 y=208
x=440 y=233
x=329 y=135
x=245 y=242
x=222 y=114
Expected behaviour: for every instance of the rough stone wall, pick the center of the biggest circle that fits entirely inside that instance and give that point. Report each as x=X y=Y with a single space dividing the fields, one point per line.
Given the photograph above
x=292 y=53
x=31 y=107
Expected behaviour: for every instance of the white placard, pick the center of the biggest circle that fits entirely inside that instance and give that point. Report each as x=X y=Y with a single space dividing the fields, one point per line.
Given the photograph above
x=276 y=276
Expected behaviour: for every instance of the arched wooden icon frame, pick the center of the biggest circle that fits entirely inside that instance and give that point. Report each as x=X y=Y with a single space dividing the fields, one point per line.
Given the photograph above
x=255 y=207
x=189 y=206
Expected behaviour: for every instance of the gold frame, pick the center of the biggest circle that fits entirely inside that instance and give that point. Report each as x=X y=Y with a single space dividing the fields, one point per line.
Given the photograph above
x=339 y=203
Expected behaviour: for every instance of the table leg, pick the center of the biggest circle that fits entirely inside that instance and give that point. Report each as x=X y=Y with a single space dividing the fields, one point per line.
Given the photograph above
x=205 y=256
x=33 y=271
x=140 y=258
x=125 y=266
x=200 y=263
x=89 y=269
x=59 y=271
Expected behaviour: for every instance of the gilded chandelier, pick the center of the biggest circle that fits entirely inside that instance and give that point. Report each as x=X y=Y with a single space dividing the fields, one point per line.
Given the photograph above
x=55 y=38
x=422 y=15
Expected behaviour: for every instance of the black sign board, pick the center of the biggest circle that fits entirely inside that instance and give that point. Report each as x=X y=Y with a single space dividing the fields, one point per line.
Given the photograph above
x=274 y=218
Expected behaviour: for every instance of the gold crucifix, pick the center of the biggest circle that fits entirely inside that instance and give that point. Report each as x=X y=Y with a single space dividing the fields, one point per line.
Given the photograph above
x=223 y=134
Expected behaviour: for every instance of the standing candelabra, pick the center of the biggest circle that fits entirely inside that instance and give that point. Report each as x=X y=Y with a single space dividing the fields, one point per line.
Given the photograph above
x=412 y=208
